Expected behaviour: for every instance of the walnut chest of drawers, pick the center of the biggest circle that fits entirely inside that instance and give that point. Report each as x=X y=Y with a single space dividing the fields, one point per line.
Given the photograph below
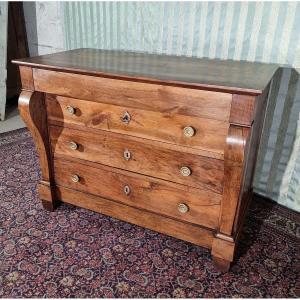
x=164 y=142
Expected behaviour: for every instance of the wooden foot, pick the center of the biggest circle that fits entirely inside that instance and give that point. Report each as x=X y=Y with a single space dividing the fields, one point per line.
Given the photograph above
x=221 y=264
x=222 y=251
x=50 y=206
x=48 y=196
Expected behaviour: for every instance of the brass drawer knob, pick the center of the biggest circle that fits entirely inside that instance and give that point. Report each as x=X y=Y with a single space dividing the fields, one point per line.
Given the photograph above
x=189 y=131
x=75 y=178
x=126 y=154
x=183 y=208
x=126 y=117
x=185 y=171
x=126 y=190
x=71 y=110
x=73 y=146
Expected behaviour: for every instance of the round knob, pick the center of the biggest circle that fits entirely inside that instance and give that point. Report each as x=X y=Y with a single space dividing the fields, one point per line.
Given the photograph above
x=185 y=171
x=126 y=190
x=127 y=154
x=189 y=131
x=183 y=208
x=126 y=117
x=75 y=178
x=73 y=146
x=71 y=110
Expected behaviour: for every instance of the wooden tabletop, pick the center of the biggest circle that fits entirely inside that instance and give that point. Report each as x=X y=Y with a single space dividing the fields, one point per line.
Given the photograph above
x=214 y=74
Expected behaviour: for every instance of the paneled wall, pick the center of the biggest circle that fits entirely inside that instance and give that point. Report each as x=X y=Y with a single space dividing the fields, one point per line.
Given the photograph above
x=253 y=31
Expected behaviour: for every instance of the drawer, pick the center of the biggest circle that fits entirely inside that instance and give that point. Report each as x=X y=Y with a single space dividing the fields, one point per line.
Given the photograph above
x=187 y=204
x=206 y=135
x=154 y=97
x=138 y=155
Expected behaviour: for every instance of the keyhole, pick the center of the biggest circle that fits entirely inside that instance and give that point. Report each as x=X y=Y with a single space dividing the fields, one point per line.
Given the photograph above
x=127 y=154
x=126 y=190
x=126 y=117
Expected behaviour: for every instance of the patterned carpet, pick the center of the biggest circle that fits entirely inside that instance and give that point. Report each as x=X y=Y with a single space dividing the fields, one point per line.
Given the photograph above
x=73 y=252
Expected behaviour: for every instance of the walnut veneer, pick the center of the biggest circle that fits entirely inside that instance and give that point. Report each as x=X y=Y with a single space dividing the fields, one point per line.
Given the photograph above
x=164 y=142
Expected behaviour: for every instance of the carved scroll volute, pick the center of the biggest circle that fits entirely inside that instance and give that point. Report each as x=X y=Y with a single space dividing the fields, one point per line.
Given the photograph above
x=33 y=112
x=233 y=168
x=223 y=246
x=240 y=122
x=236 y=161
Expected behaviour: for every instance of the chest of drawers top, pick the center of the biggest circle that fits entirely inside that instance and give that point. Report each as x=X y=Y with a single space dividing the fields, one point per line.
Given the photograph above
x=160 y=141
x=213 y=74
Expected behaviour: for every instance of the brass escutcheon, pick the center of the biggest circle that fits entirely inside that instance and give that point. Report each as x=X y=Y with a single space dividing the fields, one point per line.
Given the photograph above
x=126 y=117
x=185 y=171
x=183 y=208
x=126 y=190
x=70 y=110
x=126 y=154
x=73 y=145
x=75 y=178
x=189 y=131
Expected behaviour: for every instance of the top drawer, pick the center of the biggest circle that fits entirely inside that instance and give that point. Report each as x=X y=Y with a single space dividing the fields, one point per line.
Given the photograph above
x=153 y=97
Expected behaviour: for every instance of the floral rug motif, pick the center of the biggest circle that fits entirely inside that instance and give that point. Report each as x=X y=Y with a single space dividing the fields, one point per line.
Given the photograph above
x=73 y=252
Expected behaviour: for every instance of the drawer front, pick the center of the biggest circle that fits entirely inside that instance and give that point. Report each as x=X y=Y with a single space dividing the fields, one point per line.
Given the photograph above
x=188 y=204
x=154 y=97
x=202 y=134
x=140 y=156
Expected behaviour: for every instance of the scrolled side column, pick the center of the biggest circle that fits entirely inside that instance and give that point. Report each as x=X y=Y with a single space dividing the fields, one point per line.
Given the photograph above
x=223 y=246
x=33 y=112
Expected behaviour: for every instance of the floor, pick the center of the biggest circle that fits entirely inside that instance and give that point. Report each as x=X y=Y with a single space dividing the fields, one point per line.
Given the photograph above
x=12 y=120
x=76 y=253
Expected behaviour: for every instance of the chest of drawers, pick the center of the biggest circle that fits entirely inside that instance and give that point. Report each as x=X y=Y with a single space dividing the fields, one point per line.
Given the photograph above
x=164 y=142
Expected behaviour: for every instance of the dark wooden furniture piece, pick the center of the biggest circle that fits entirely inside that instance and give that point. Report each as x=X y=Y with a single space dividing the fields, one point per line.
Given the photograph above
x=16 y=46
x=164 y=142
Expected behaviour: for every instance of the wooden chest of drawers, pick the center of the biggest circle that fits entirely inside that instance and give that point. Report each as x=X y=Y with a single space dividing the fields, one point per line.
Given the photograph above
x=164 y=142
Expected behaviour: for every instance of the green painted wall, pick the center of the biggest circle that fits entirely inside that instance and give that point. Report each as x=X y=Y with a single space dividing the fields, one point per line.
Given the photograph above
x=253 y=31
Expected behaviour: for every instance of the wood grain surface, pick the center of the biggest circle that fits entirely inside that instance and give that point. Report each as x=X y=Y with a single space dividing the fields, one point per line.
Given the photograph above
x=27 y=78
x=233 y=174
x=150 y=158
x=146 y=193
x=153 y=97
x=33 y=111
x=181 y=230
x=223 y=75
x=29 y=104
x=210 y=135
